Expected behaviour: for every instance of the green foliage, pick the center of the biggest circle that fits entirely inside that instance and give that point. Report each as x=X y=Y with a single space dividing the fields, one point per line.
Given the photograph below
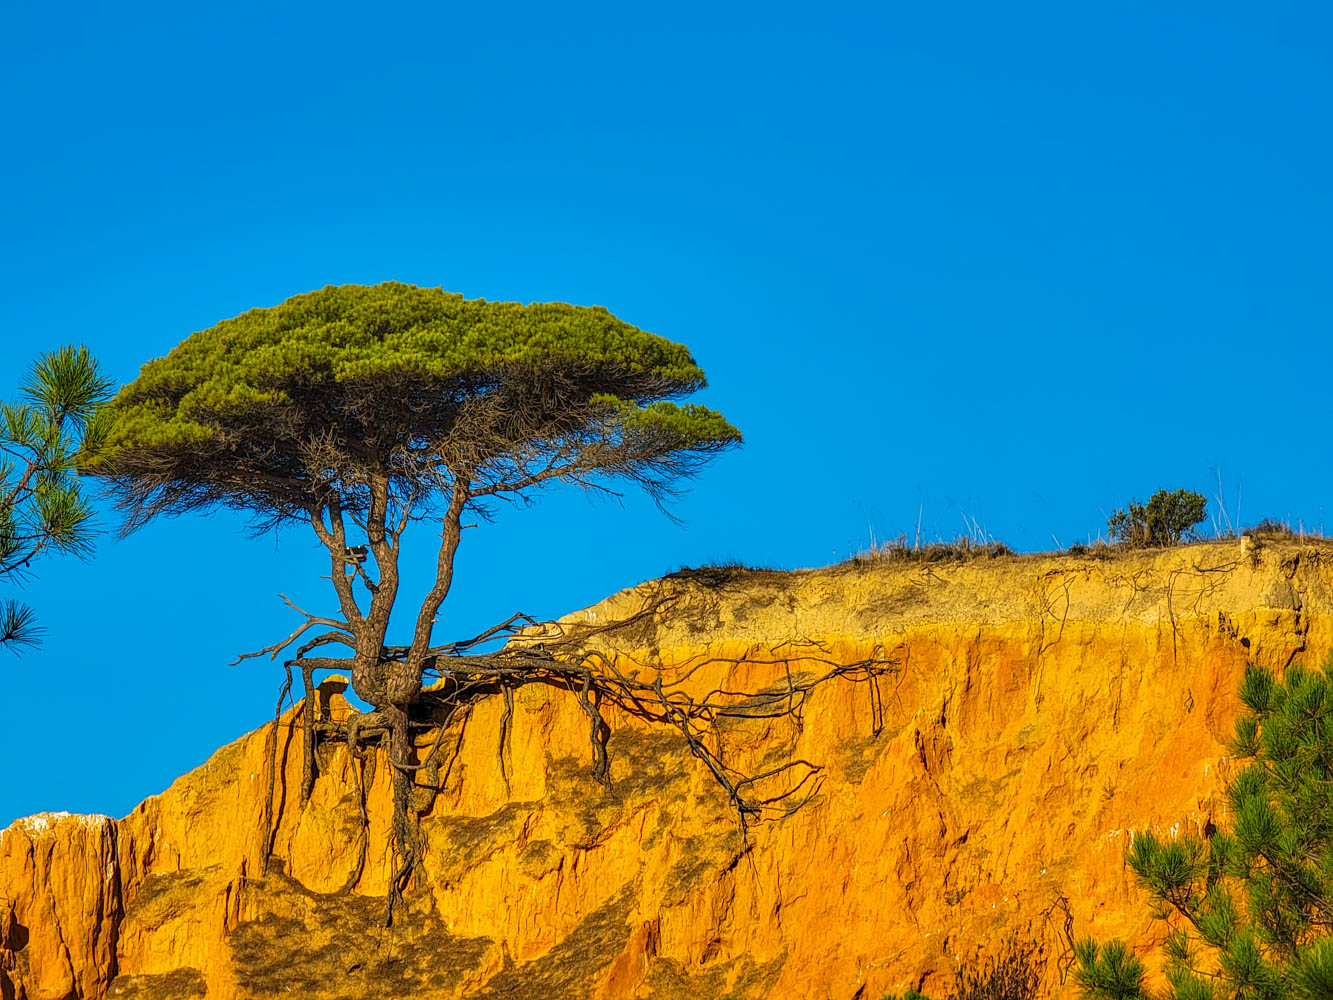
x=362 y=410
x=1250 y=908
x=41 y=505
x=1167 y=519
x=280 y=407
x=1110 y=972
x=18 y=626
x=342 y=339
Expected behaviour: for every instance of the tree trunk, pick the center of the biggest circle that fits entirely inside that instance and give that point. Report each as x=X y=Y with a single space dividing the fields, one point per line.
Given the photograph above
x=404 y=829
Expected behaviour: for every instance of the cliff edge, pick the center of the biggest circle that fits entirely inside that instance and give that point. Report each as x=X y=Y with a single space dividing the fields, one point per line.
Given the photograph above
x=1040 y=709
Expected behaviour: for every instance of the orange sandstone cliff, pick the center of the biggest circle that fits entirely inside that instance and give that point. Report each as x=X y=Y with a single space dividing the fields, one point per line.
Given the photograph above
x=1041 y=709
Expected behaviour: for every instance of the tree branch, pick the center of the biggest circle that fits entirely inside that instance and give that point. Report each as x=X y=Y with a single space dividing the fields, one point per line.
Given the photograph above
x=450 y=535
x=386 y=558
x=310 y=622
x=334 y=538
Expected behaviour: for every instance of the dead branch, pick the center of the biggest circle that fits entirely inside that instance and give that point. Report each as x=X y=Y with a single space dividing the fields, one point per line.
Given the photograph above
x=310 y=622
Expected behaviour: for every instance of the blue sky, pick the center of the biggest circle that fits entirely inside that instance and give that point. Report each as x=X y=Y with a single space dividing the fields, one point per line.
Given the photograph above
x=1017 y=263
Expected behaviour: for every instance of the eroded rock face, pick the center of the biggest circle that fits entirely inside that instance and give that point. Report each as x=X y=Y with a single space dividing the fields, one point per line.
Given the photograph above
x=1041 y=710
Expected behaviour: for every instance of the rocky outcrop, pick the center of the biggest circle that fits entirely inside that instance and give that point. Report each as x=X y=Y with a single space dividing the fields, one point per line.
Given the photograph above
x=1041 y=710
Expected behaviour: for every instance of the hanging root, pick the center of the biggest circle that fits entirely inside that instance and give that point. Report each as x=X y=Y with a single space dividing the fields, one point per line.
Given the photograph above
x=405 y=855
x=358 y=764
x=406 y=845
x=358 y=727
x=559 y=655
x=309 y=760
x=598 y=731
x=272 y=757
x=407 y=850
x=504 y=733
x=435 y=781
x=563 y=656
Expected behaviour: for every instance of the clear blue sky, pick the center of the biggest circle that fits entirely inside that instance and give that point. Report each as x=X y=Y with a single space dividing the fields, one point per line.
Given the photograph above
x=1019 y=262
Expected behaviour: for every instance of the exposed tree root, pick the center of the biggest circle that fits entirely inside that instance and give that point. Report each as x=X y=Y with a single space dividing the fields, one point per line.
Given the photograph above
x=309 y=759
x=561 y=656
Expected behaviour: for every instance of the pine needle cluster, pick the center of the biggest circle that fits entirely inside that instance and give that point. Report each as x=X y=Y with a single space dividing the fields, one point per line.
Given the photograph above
x=42 y=508
x=1251 y=908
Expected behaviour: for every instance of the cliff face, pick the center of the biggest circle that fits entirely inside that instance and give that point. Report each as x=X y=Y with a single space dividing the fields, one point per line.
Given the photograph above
x=1040 y=710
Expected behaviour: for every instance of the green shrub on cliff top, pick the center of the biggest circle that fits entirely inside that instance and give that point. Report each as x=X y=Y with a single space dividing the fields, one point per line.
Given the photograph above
x=1167 y=519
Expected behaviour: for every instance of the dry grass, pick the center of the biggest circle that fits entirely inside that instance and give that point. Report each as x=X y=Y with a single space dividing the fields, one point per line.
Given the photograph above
x=960 y=550
x=733 y=574
x=716 y=575
x=1275 y=530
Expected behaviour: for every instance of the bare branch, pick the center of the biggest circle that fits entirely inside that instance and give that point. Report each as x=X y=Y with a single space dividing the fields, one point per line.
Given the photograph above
x=334 y=539
x=310 y=622
x=450 y=535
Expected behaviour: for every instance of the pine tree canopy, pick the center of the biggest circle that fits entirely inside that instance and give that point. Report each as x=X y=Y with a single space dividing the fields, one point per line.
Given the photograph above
x=291 y=407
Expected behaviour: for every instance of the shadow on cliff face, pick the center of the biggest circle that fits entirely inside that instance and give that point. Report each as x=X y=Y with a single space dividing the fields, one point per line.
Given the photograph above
x=336 y=945
x=668 y=979
x=182 y=984
x=14 y=938
x=570 y=968
x=295 y=942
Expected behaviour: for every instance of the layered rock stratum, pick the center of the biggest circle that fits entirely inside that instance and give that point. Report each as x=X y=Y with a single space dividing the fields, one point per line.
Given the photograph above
x=1040 y=710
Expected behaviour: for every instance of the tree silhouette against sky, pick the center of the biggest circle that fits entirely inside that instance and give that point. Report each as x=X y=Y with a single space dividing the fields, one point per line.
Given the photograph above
x=367 y=412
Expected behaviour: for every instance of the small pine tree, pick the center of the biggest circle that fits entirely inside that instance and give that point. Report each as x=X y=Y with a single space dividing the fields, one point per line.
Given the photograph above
x=1251 y=909
x=1167 y=519
x=42 y=508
